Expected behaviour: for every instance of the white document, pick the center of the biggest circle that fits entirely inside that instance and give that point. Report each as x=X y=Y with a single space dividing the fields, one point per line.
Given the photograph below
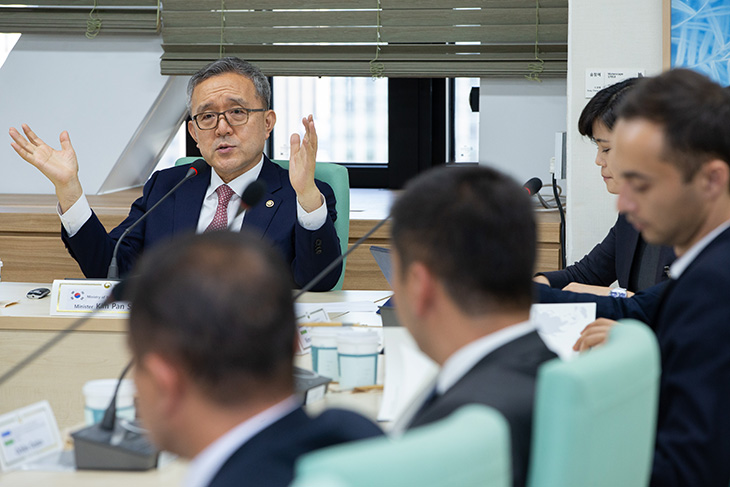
x=560 y=324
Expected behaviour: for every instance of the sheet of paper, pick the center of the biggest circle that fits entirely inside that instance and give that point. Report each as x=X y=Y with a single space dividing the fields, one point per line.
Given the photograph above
x=362 y=312
x=560 y=324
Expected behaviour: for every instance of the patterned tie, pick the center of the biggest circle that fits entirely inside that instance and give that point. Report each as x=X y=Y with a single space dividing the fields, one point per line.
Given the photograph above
x=220 y=220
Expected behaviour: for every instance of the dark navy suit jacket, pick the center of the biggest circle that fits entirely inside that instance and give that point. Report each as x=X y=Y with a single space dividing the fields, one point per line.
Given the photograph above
x=307 y=252
x=504 y=380
x=610 y=260
x=693 y=329
x=268 y=458
x=691 y=319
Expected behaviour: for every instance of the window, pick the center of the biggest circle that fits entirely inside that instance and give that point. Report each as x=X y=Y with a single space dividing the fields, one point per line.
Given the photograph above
x=463 y=122
x=7 y=42
x=350 y=114
x=385 y=131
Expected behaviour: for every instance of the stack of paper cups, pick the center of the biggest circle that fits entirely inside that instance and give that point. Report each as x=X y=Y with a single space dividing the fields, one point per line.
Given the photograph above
x=324 y=351
x=357 y=353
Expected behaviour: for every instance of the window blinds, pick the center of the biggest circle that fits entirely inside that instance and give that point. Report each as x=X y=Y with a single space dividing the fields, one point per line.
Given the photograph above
x=395 y=38
x=79 y=16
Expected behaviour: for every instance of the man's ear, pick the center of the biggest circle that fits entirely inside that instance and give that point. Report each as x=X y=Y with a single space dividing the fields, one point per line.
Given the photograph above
x=168 y=380
x=422 y=286
x=191 y=131
x=716 y=177
x=269 y=121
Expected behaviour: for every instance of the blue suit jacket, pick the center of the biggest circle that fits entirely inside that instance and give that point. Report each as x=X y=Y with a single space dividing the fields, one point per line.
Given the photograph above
x=610 y=260
x=693 y=329
x=307 y=252
x=504 y=380
x=268 y=458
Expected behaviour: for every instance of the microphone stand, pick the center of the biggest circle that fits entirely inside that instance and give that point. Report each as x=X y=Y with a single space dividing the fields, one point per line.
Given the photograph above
x=113 y=270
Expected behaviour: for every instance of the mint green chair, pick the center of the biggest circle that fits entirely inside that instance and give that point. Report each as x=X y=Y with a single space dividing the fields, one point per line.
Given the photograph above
x=468 y=448
x=338 y=178
x=595 y=415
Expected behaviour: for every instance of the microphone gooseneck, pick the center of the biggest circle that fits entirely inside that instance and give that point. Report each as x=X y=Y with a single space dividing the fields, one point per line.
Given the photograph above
x=110 y=415
x=195 y=168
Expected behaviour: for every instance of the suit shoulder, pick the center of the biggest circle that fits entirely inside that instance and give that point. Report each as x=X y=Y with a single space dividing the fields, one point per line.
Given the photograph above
x=348 y=423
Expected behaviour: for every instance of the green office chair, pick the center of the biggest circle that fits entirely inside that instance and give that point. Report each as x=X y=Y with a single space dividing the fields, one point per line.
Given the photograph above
x=595 y=416
x=337 y=177
x=468 y=448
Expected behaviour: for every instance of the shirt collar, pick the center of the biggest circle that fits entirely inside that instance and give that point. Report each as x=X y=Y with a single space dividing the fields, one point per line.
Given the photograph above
x=207 y=463
x=682 y=262
x=239 y=184
x=464 y=359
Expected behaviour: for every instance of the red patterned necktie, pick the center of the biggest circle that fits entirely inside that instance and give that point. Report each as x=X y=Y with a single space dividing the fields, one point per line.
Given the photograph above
x=220 y=220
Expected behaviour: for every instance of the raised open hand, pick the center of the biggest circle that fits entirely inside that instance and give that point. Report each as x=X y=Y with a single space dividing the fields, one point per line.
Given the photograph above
x=59 y=166
x=302 y=162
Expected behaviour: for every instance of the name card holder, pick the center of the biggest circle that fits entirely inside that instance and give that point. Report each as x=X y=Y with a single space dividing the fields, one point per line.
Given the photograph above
x=80 y=297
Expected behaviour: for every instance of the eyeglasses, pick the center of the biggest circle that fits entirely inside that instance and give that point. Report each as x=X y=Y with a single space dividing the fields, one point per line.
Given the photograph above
x=234 y=117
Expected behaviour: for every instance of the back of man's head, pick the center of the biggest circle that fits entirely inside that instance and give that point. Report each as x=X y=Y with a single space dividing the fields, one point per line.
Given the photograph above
x=693 y=111
x=473 y=228
x=219 y=305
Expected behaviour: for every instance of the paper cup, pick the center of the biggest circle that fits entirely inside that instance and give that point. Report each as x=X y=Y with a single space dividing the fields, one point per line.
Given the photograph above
x=357 y=353
x=324 y=352
x=98 y=394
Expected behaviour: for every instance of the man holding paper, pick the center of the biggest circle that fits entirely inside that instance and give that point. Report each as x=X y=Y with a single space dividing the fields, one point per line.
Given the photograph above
x=672 y=157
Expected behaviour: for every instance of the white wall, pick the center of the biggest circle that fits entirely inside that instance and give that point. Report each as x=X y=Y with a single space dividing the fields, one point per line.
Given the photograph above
x=103 y=91
x=604 y=34
x=518 y=119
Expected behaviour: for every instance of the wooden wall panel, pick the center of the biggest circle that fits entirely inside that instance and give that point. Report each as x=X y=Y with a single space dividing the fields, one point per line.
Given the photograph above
x=32 y=251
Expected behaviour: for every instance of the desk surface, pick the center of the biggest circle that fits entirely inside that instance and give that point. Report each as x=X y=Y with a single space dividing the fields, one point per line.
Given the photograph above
x=98 y=350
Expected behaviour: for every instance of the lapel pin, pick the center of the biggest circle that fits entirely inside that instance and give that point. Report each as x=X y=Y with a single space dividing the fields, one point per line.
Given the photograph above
x=269 y=203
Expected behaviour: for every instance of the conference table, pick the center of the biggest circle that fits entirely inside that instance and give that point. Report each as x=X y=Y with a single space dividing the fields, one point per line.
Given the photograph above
x=98 y=350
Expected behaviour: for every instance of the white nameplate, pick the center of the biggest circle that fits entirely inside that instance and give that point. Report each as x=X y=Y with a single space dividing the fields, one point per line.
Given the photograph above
x=28 y=434
x=72 y=297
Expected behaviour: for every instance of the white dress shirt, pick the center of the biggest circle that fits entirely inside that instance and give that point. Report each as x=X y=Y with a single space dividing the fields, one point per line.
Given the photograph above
x=75 y=217
x=207 y=463
x=682 y=262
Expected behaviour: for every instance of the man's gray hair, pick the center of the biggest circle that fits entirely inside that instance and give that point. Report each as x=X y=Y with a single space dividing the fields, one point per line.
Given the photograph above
x=232 y=65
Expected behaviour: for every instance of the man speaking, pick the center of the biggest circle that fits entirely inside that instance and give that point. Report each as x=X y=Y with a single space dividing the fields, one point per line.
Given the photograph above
x=228 y=101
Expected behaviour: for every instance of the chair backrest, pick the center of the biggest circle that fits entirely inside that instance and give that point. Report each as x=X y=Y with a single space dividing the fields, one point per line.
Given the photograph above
x=595 y=415
x=468 y=448
x=338 y=178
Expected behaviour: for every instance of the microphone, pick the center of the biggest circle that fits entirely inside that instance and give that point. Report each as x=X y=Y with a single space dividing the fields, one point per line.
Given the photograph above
x=113 y=271
x=111 y=446
x=532 y=186
x=251 y=195
x=339 y=259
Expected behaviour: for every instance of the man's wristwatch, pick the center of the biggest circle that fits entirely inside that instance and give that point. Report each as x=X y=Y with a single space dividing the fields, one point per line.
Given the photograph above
x=618 y=292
